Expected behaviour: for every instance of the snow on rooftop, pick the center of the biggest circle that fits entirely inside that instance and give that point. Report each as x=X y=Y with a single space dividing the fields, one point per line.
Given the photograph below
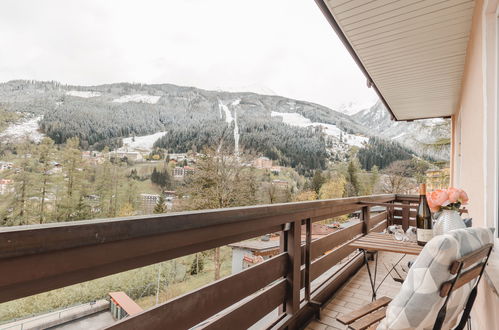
x=139 y=98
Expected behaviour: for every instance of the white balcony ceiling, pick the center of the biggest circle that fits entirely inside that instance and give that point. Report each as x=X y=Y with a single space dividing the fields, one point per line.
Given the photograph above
x=414 y=51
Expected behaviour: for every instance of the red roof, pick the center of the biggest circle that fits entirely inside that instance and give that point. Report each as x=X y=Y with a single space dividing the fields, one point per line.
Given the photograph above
x=125 y=302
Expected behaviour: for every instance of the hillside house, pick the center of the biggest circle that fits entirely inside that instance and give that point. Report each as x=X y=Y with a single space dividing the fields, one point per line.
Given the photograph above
x=6 y=186
x=262 y=163
x=180 y=172
x=130 y=155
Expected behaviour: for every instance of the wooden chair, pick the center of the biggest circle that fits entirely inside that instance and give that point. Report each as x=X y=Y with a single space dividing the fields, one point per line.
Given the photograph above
x=466 y=269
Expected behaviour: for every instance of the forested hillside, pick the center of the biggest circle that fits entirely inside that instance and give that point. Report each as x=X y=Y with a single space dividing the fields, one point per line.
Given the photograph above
x=382 y=153
x=429 y=138
x=194 y=118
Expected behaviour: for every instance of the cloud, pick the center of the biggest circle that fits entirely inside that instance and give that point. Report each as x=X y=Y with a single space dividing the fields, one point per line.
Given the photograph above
x=283 y=45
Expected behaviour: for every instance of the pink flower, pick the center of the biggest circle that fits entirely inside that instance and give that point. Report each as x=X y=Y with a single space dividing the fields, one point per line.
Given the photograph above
x=439 y=198
x=454 y=194
x=434 y=208
x=463 y=197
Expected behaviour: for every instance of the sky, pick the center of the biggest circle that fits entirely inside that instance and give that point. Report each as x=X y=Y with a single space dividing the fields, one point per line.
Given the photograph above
x=283 y=46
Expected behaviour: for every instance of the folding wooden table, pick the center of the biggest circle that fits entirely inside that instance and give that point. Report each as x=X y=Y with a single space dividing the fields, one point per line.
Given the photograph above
x=383 y=242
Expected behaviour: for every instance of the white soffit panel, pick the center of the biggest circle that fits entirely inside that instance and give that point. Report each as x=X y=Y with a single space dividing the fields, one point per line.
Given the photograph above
x=413 y=50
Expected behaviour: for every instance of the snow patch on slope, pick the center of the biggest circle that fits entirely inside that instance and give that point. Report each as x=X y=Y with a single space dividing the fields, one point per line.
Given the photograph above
x=226 y=111
x=229 y=118
x=26 y=128
x=84 y=94
x=141 y=143
x=296 y=119
x=139 y=98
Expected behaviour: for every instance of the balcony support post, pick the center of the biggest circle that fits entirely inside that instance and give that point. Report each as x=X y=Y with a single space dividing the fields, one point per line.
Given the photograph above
x=366 y=215
x=405 y=216
x=293 y=248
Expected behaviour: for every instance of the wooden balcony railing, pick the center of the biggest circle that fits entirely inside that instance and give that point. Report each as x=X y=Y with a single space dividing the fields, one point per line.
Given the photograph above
x=40 y=258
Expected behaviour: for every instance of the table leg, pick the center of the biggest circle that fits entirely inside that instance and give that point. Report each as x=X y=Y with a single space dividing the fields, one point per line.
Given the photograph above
x=371 y=280
x=388 y=273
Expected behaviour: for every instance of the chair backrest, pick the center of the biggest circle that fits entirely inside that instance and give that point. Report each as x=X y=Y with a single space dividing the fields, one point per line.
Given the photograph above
x=466 y=269
x=441 y=281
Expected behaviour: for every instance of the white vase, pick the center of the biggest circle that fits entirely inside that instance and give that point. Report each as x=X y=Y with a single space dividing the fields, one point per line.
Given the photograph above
x=447 y=220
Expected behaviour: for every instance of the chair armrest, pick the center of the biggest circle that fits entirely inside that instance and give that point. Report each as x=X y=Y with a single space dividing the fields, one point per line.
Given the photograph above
x=367 y=309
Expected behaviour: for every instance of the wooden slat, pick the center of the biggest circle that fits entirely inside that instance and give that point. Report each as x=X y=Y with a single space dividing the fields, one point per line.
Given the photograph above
x=380 y=226
x=386 y=248
x=369 y=319
x=398 y=221
x=410 y=198
x=365 y=216
x=385 y=242
x=462 y=280
x=253 y=310
x=399 y=206
x=403 y=213
x=369 y=308
x=35 y=239
x=378 y=218
x=334 y=239
x=61 y=268
x=293 y=274
x=337 y=211
x=471 y=258
x=324 y=263
x=194 y=307
x=69 y=253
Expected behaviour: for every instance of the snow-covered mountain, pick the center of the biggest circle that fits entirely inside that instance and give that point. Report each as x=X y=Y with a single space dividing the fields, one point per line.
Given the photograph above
x=351 y=108
x=109 y=115
x=430 y=136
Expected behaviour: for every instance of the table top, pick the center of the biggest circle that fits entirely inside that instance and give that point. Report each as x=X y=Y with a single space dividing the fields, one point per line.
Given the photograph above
x=386 y=242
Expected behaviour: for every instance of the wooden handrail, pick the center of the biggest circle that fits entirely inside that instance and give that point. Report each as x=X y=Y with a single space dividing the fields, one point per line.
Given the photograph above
x=73 y=252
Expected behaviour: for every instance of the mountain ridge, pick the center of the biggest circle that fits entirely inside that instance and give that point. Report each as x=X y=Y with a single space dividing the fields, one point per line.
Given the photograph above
x=105 y=114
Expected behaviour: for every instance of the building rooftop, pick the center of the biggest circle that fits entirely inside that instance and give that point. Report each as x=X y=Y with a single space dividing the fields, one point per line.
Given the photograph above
x=256 y=245
x=125 y=302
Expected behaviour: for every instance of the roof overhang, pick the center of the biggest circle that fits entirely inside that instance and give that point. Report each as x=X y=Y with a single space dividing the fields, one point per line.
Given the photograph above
x=411 y=52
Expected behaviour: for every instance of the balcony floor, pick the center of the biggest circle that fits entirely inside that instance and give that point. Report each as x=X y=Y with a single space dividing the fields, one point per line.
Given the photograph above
x=357 y=292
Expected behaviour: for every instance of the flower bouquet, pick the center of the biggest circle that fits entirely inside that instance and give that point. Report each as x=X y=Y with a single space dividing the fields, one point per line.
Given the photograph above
x=445 y=203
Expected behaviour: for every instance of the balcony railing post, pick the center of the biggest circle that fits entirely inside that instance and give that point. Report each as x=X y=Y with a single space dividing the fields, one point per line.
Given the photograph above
x=293 y=248
x=365 y=217
x=308 y=257
x=405 y=216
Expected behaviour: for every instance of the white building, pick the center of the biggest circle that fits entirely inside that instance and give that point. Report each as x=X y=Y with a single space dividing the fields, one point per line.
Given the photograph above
x=6 y=186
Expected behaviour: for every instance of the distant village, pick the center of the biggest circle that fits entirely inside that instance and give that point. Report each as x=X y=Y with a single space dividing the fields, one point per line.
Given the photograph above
x=185 y=165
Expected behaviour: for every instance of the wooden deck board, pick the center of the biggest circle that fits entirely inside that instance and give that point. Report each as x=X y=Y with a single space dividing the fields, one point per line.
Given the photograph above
x=357 y=293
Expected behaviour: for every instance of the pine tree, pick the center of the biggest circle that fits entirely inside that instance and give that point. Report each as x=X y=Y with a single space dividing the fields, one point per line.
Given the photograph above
x=74 y=171
x=353 y=186
x=317 y=181
x=374 y=179
x=24 y=183
x=45 y=176
x=160 y=205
